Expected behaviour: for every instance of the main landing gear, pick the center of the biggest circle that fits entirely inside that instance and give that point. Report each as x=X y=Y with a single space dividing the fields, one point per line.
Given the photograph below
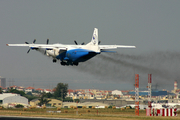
x=76 y=63
x=63 y=63
x=66 y=63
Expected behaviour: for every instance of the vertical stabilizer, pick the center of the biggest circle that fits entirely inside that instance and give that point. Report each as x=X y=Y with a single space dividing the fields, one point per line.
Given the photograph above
x=93 y=45
x=94 y=40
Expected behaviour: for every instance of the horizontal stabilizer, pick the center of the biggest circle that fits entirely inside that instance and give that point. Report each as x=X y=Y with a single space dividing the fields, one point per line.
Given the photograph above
x=109 y=51
x=105 y=47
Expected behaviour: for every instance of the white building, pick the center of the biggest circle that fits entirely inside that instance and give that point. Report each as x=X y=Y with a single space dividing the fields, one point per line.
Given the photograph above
x=48 y=91
x=116 y=92
x=20 y=88
x=7 y=99
x=2 y=82
x=29 y=89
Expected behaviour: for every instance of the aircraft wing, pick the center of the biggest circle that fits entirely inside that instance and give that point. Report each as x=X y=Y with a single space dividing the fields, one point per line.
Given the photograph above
x=18 y=45
x=49 y=46
x=106 y=47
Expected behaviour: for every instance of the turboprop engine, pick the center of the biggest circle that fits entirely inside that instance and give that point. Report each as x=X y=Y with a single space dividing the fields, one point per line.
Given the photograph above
x=54 y=52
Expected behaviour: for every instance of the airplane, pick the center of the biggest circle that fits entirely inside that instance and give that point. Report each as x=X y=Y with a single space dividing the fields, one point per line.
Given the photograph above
x=72 y=54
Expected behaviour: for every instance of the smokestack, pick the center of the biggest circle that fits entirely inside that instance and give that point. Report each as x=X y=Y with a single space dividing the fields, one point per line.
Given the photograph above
x=175 y=86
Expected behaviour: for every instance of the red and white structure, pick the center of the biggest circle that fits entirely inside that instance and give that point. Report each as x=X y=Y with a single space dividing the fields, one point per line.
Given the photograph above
x=137 y=94
x=161 y=112
x=149 y=89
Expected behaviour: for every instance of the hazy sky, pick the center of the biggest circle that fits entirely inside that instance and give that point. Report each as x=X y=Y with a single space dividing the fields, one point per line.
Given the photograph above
x=151 y=25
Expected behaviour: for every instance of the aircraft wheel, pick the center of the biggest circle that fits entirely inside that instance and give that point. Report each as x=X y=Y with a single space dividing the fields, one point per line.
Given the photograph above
x=76 y=63
x=67 y=64
x=54 y=60
x=63 y=63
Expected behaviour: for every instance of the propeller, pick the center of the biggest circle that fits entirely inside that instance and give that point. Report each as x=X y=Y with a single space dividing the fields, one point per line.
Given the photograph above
x=99 y=42
x=47 y=42
x=77 y=43
x=28 y=43
x=34 y=41
x=28 y=50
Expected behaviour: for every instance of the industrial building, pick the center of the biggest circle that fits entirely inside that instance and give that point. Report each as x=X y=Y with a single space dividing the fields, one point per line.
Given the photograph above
x=2 y=82
x=153 y=93
x=116 y=92
x=10 y=100
x=53 y=102
x=85 y=104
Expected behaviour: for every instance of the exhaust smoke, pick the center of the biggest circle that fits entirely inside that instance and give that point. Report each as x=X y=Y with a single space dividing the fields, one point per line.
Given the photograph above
x=117 y=67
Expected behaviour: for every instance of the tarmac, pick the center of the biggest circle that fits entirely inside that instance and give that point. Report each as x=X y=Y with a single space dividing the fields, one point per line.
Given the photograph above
x=32 y=118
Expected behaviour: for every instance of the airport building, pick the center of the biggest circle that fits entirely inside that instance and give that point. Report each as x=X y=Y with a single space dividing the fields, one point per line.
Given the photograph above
x=84 y=104
x=11 y=99
x=116 y=92
x=51 y=103
x=2 y=82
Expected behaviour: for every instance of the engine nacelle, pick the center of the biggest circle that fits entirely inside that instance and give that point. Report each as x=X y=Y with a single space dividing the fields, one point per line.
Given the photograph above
x=55 y=52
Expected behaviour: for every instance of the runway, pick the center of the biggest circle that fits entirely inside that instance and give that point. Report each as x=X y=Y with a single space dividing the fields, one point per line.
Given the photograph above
x=32 y=118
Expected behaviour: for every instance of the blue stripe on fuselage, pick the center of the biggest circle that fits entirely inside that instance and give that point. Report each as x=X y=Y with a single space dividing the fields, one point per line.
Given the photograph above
x=77 y=55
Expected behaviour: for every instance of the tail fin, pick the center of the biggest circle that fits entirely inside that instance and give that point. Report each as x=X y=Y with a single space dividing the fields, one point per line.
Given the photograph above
x=94 y=40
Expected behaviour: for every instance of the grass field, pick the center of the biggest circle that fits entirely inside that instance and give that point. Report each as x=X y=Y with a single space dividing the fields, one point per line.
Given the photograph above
x=100 y=114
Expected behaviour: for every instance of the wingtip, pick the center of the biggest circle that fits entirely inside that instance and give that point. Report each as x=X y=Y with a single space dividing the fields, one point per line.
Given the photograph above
x=7 y=44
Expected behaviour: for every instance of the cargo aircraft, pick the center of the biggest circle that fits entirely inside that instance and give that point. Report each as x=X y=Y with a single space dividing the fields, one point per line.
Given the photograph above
x=72 y=54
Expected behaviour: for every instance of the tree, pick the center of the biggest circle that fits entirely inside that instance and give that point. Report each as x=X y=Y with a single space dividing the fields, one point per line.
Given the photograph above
x=29 y=93
x=19 y=106
x=1 y=90
x=68 y=99
x=76 y=100
x=16 y=91
x=48 y=95
x=61 y=90
x=43 y=100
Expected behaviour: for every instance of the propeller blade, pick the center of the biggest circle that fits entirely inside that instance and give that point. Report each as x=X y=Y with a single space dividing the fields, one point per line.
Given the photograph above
x=99 y=42
x=82 y=43
x=28 y=50
x=75 y=42
x=47 y=42
x=26 y=42
x=34 y=41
